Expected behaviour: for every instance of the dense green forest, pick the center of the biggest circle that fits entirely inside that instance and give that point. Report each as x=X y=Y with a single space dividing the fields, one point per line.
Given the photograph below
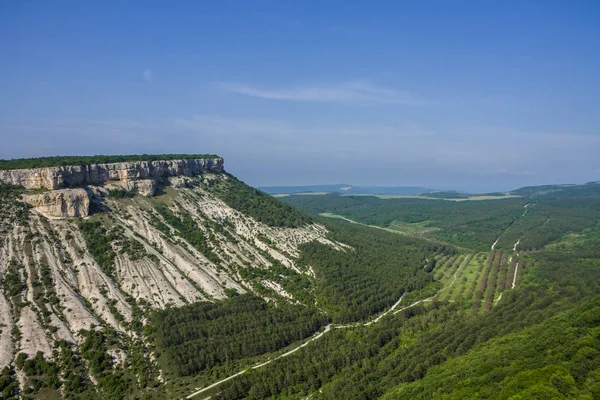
x=204 y=335
x=542 y=339
x=534 y=222
x=256 y=204
x=61 y=161
x=350 y=285
x=361 y=282
x=463 y=328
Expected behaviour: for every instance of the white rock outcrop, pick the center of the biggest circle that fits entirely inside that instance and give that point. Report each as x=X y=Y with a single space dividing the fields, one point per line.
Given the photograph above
x=64 y=203
x=144 y=187
x=96 y=174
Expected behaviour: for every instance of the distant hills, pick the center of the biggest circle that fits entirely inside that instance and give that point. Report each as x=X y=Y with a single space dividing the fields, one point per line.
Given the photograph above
x=561 y=190
x=587 y=189
x=347 y=189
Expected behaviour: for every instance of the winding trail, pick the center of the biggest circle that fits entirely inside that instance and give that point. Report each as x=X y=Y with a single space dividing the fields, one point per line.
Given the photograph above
x=516 y=244
x=311 y=339
x=514 y=282
x=506 y=230
x=496 y=242
x=328 y=328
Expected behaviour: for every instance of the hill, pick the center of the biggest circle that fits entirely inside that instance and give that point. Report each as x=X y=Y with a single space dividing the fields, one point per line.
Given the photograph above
x=171 y=278
x=345 y=189
x=116 y=275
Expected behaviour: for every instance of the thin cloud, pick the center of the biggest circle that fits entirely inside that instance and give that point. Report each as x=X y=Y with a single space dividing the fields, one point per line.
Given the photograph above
x=350 y=92
x=278 y=129
x=148 y=75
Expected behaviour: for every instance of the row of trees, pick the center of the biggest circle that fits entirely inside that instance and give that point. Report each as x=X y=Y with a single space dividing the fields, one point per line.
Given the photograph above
x=396 y=357
x=60 y=161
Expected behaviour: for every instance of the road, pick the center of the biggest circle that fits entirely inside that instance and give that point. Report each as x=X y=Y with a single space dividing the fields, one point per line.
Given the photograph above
x=328 y=328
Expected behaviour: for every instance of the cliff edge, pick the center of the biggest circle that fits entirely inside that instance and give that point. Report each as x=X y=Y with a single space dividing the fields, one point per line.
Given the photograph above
x=71 y=187
x=53 y=178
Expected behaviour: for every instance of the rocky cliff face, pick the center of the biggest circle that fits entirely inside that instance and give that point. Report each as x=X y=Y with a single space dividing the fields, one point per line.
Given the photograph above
x=61 y=282
x=67 y=197
x=97 y=174
x=64 y=203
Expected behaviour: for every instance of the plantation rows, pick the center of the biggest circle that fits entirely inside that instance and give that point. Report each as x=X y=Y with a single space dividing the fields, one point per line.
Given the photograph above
x=477 y=278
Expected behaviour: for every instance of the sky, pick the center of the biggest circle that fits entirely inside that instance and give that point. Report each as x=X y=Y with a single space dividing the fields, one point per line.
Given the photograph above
x=466 y=95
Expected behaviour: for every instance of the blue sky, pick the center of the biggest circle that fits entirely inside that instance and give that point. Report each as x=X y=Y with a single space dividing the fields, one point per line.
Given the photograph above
x=474 y=95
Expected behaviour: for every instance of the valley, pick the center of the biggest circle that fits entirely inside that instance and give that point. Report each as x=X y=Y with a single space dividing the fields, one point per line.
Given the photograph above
x=170 y=278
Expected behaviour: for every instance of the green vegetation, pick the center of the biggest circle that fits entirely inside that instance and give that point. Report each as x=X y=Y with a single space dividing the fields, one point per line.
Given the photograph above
x=120 y=194
x=9 y=386
x=559 y=358
x=204 y=335
x=534 y=222
x=12 y=210
x=558 y=191
x=41 y=373
x=61 y=161
x=358 y=283
x=472 y=335
x=426 y=351
x=258 y=205
x=94 y=350
x=99 y=243
x=105 y=243
x=11 y=281
x=185 y=227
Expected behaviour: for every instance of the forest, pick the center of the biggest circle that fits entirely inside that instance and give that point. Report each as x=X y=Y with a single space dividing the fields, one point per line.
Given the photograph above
x=257 y=204
x=535 y=221
x=62 y=161
x=359 y=283
x=541 y=341
x=518 y=321
x=205 y=335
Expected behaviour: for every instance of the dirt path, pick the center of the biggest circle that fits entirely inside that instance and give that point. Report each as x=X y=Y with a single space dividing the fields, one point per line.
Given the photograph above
x=514 y=282
x=496 y=242
x=313 y=338
x=327 y=329
x=506 y=230
x=516 y=244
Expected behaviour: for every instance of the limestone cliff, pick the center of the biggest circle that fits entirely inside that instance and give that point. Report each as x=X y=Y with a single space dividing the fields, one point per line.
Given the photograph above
x=64 y=203
x=97 y=174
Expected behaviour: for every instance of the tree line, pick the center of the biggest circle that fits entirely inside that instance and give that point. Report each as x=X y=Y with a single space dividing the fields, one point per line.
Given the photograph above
x=61 y=161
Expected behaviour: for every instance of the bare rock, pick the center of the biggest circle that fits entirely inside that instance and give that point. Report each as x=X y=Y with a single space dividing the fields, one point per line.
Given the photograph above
x=65 y=203
x=144 y=187
x=97 y=174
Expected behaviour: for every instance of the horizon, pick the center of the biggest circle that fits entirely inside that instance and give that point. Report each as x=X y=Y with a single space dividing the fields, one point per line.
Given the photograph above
x=429 y=187
x=366 y=185
x=473 y=97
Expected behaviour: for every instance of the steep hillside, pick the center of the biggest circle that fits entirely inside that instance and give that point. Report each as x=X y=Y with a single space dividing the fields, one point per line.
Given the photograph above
x=171 y=278
x=67 y=280
x=151 y=278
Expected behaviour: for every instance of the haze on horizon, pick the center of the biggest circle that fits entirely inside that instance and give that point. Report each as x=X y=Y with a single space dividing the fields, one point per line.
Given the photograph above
x=475 y=96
